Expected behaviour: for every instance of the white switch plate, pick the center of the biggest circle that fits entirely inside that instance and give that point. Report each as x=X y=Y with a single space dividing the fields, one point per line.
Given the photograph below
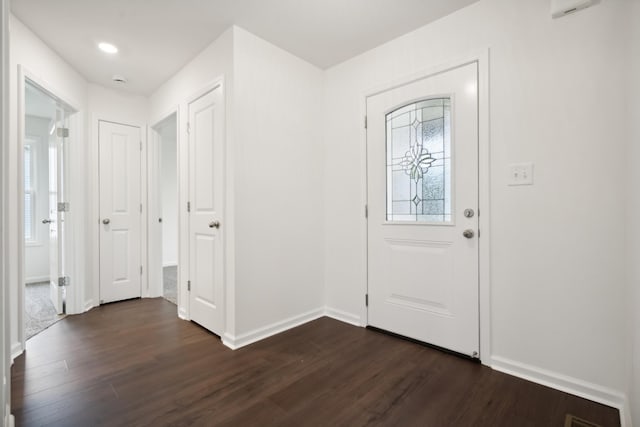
x=521 y=174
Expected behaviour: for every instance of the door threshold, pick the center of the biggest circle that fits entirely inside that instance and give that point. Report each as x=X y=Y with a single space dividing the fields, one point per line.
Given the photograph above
x=424 y=344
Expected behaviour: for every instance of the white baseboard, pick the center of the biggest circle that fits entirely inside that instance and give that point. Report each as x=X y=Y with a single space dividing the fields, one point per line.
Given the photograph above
x=273 y=329
x=625 y=414
x=88 y=305
x=36 y=279
x=9 y=420
x=343 y=316
x=154 y=294
x=567 y=384
x=16 y=350
x=182 y=313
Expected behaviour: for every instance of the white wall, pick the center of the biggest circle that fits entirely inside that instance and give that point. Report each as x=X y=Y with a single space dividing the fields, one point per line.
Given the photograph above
x=5 y=342
x=212 y=63
x=43 y=64
x=169 y=192
x=634 y=207
x=557 y=260
x=278 y=185
x=36 y=254
x=118 y=106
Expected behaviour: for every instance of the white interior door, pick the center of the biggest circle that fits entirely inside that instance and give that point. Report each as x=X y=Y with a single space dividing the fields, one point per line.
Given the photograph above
x=206 y=139
x=422 y=161
x=56 y=156
x=120 y=211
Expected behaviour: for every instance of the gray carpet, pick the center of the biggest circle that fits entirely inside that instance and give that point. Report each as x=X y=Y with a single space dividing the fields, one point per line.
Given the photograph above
x=39 y=310
x=170 y=282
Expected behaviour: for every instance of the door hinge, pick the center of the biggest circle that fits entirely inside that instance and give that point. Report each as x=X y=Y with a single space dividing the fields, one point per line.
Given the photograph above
x=366 y=300
x=141 y=270
x=188 y=206
x=189 y=285
x=62 y=133
x=366 y=211
x=63 y=207
x=64 y=281
x=365 y=122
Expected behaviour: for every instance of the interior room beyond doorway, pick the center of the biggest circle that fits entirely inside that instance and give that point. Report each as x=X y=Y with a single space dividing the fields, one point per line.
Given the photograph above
x=167 y=191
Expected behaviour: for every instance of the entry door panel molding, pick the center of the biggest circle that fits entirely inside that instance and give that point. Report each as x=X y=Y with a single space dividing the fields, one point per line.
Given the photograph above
x=206 y=224
x=120 y=211
x=422 y=163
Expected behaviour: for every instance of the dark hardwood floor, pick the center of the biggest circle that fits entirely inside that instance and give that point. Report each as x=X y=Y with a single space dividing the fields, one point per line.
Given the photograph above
x=134 y=363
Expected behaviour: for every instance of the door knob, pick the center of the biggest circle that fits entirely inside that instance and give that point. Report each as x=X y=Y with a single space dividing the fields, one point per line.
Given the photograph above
x=214 y=224
x=47 y=221
x=468 y=233
x=106 y=221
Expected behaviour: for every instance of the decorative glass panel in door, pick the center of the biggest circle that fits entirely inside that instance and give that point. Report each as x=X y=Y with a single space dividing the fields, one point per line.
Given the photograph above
x=418 y=149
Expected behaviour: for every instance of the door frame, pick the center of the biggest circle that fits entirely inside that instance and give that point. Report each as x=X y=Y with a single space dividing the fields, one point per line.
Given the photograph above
x=480 y=57
x=153 y=153
x=74 y=220
x=94 y=215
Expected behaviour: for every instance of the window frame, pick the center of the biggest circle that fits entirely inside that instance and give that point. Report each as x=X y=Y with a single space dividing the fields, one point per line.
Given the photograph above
x=30 y=145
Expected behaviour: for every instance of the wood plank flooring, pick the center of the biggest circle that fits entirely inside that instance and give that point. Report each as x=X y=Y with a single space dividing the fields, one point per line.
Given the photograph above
x=135 y=363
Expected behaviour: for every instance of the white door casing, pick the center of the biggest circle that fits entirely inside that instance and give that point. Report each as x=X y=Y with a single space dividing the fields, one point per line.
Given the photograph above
x=120 y=211
x=206 y=163
x=422 y=271
x=155 y=213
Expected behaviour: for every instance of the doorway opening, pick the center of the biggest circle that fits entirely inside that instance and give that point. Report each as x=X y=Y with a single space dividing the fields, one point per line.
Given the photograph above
x=167 y=204
x=45 y=160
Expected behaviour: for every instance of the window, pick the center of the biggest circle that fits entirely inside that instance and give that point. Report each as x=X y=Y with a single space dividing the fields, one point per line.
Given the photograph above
x=29 y=194
x=419 y=162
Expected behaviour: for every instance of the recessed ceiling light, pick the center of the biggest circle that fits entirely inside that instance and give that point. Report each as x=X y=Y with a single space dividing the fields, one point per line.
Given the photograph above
x=108 y=47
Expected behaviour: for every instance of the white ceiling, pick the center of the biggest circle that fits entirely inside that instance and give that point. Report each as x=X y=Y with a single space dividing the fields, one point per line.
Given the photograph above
x=156 y=38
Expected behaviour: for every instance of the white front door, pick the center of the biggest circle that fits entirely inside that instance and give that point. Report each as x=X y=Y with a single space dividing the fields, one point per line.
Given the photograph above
x=57 y=194
x=120 y=211
x=206 y=141
x=422 y=162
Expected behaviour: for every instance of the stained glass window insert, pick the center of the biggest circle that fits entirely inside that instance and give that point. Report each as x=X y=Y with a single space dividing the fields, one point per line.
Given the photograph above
x=418 y=149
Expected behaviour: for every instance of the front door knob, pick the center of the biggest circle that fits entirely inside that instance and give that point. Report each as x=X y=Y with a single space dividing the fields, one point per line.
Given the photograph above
x=214 y=224
x=106 y=221
x=47 y=221
x=468 y=233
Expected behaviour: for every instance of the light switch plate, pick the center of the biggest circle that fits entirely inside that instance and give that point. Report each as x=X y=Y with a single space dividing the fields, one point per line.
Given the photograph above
x=521 y=174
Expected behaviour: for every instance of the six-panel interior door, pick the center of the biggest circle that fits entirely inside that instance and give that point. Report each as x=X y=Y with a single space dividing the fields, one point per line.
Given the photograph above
x=120 y=211
x=57 y=194
x=422 y=161
x=206 y=138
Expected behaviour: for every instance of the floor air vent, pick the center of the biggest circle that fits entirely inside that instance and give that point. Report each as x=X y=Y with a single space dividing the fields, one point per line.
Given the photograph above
x=573 y=421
